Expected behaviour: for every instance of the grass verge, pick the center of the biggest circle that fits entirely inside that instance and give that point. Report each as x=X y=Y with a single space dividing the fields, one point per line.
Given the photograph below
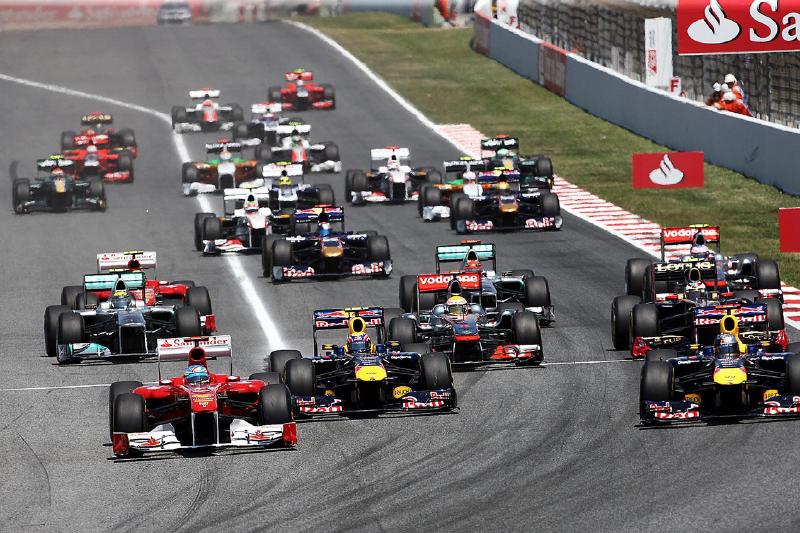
x=437 y=71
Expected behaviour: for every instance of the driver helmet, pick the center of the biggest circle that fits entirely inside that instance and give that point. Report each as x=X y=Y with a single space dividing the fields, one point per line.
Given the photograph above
x=296 y=137
x=225 y=155
x=250 y=204
x=393 y=163
x=196 y=375
x=360 y=343
x=57 y=172
x=695 y=286
x=324 y=229
x=120 y=299
x=726 y=345
x=208 y=103
x=456 y=306
x=469 y=177
x=91 y=149
x=503 y=152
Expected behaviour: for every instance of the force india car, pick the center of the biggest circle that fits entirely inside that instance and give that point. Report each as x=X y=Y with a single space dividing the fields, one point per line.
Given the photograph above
x=472 y=338
x=242 y=230
x=706 y=382
x=220 y=170
x=495 y=293
x=98 y=134
x=177 y=414
x=207 y=114
x=673 y=297
x=293 y=146
x=301 y=93
x=393 y=180
x=122 y=327
x=364 y=377
x=58 y=190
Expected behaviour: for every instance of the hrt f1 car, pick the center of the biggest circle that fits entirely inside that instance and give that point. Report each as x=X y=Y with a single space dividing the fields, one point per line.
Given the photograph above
x=56 y=188
x=392 y=180
x=199 y=409
x=301 y=93
x=207 y=115
x=360 y=375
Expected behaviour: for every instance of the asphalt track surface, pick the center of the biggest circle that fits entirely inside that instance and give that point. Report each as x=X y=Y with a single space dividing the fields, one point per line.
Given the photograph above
x=553 y=448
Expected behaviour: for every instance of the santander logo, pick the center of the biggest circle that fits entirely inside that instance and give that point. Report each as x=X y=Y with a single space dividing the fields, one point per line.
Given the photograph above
x=714 y=27
x=666 y=173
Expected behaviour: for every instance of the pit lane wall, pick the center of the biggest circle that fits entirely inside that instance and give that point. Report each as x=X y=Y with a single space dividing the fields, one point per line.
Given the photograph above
x=764 y=151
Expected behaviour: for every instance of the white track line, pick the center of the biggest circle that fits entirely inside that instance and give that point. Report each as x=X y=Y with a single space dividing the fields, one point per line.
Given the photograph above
x=271 y=332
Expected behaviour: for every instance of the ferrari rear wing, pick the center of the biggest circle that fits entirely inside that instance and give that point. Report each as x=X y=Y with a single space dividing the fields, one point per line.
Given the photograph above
x=458 y=252
x=687 y=235
x=133 y=260
x=217 y=148
x=93 y=119
x=194 y=350
x=201 y=94
x=501 y=141
x=381 y=154
x=133 y=280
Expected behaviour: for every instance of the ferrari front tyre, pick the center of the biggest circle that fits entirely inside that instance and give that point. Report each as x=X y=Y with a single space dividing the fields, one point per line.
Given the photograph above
x=378 y=248
x=635 y=270
x=279 y=358
x=71 y=328
x=129 y=414
x=525 y=328
x=212 y=229
x=199 y=221
x=199 y=298
x=644 y=320
x=115 y=391
x=51 y=316
x=408 y=292
x=270 y=378
x=621 y=309
x=69 y=293
x=536 y=292
x=187 y=322
x=67 y=140
x=657 y=382
x=274 y=404
x=435 y=371
x=300 y=377
x=767 y=275
x=403 y=330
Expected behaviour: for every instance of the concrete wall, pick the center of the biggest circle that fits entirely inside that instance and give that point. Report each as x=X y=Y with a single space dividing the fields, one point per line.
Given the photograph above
x=767 y=152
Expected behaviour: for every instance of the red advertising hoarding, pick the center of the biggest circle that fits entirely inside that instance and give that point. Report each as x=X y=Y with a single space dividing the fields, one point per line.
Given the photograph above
x=667 y=170
x=789 y=222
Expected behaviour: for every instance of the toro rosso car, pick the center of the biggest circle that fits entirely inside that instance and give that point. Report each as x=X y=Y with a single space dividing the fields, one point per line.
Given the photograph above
x=96 y=133
x=391 y=179
x=207 y=114
x=301 y=92
x=670 y=296
x=221 y=170
x=327 y=254
x=57 y=188
x=468 y=336
x=293 y=146
x=121 y=327
x=494 y=292
x=737 y=376
x=361 y=375
x=200 y=409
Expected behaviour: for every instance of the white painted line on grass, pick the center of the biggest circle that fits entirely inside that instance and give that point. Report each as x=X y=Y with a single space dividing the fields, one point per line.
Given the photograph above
x=268 y=327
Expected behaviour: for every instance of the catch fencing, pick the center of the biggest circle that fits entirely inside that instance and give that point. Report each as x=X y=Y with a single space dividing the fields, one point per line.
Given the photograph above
x=611 y=33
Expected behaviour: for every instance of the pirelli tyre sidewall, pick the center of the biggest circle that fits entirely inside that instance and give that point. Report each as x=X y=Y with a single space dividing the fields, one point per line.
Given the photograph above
x=187 y=322
x=274 y=404
x=621 y=309
x=129 y=414
x=114 y=391
x=403 y=330
x=657 y=383
x=435 y=371
x=300 y=377
x=51 y=319
x=635 y=271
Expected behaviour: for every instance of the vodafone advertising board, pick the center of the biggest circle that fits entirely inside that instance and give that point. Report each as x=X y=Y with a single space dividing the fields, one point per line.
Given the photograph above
x=738 y=26
x=670 y=170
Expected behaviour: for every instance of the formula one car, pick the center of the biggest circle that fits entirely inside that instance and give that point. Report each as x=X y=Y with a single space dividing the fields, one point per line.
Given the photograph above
x=121 y=327
x=293 y=146
x=57 y=188
x=737 y=376
x=207 y=115
x=301 y=93
x=494 y=292
x=675 y=289
x=326 y=254
x=536 y=171
x=392 y=180
x=106 y=164
x=98 y=134
x=263 y=124
x=199 y=409
x=248 y=222
x=221 y=170
x=360 y=375
x=468 y=336
x=289 y=191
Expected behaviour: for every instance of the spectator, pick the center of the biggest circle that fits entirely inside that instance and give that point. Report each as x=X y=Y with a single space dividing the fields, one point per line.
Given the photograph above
x=730 y=81
x=731 y=104
x=716 y=97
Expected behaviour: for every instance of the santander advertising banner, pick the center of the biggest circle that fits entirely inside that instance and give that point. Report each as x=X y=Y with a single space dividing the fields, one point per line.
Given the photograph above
x=738 y=26
x=668 y=170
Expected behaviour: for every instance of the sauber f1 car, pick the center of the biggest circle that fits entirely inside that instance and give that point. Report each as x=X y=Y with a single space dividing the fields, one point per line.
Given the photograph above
x=121 y=327
x=293 y=146
x=56 y=188
x=207 y=114
x=360 y=375
x=738 y=376
x=199 y=409
x=301 y=92
x=391 y=178
x=494 y=292
x=98 y=134
x=220 y=170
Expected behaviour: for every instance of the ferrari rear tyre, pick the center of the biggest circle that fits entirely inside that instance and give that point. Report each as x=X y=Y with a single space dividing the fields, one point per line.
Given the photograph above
x=70 y=328
x=300 y=377
x=435 y=371
x=279 y=358
x=115 y=391
x=187 y=322
x=69 y=293
x=199 y=298
x=274 y=404
x=51 y=316
x=403 y=330
x=657 y=382
x=199 y=222
x=621 y=309
x=129 y=414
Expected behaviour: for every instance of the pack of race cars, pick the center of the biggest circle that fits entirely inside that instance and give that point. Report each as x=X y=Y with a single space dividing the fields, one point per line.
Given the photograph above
x=709 y=328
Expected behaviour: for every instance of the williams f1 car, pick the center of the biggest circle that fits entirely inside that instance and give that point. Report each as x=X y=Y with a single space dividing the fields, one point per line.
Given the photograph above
x=207 y=114
x=199 y=409
x=360 y=375
x=391 y=178
x=301 y=92
x=57 y=188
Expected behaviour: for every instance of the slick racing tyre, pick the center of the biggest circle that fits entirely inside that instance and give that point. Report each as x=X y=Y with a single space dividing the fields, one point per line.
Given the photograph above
x=435 y=371
x=241 y=131
x=429 y=196
x=69 y=293
x=199 y=222
x=403 y=330
x=279 y=358
x=551 y=207
x=525 y=328
x=274 y=404
x=20 y=193
x=621 y=309
x=644 y=320
x=544 y=167
x=657 y=381
x=767 y=275
x=51 y=316
x=115 y=391
x=266 y=253
x=274 y=94
x=199 y=298
x=774 y=313
x=129 y=414
x=237 y=113
x=634 y=276
x=793 y=374
x=536 y=292
x=270 y=378
x=70 y=328
x=127 y=137
x=188 y=173
x=326 y=195
x=212 y=229
x=187 y=322
x=282 y=253
x=300 y=377
x=378 y=248
x=408 y=292
x=328 y=93
x=331 y=152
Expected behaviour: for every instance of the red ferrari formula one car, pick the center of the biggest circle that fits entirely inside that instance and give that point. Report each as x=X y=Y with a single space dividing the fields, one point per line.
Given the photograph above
x=109 y=164
x=98 y=134
x=199 y=409
x=301 y=93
